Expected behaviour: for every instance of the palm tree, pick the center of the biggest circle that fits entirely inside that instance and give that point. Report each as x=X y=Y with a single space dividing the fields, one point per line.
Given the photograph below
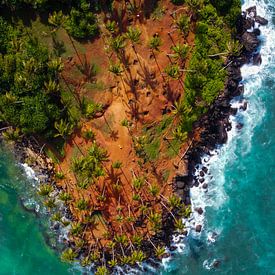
x=174 y=72
x=133 y=34
x=59 y=20
x=182 y=24
x=137 y=256
x=111 y=26
x=159 y=251
x=102 y=270
x=174 y=201
x=118 y=44
x=64 y=128
x=52 y=87
x=180 y=51
x=179 y=225
x=116 y=69
x=233 y=48
x=68 y=255
x=45 y=190
x=65 y=197
x=82 y=204
x=154 y=44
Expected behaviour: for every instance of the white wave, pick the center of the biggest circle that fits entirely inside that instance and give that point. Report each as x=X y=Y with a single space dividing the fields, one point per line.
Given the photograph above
x=29 y=172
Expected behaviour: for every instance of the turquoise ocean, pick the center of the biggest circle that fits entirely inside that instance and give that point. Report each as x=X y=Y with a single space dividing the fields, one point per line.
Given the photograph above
x=239 y=207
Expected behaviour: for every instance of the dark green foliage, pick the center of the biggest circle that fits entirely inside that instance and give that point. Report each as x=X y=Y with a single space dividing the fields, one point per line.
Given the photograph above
x=25 y=72
x=178 y=2
x=82 y=24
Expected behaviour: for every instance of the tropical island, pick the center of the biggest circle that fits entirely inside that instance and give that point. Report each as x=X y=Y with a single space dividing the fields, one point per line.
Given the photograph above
x=107 y=97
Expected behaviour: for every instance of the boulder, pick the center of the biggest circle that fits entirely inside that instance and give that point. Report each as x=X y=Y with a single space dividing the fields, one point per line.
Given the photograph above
x=257 y=59
x=252 y=11
x=198 y=228
x=250 y=41
x=262 y=21
x=180 y=184
x=199 y=210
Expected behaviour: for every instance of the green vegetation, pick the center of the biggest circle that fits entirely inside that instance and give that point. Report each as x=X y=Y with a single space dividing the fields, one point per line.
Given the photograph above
x=29 y=90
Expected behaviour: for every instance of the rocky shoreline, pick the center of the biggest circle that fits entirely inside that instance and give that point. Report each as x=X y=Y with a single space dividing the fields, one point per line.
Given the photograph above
x=215 y=123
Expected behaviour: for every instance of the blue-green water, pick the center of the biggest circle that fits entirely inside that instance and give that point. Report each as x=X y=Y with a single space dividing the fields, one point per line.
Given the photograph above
x=238 y=225
x=23 y=250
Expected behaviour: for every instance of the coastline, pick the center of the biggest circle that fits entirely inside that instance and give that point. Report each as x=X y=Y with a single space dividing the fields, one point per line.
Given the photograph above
x=215 y=124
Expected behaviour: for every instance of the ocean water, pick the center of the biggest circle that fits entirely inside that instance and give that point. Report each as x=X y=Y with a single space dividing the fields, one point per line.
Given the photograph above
x=23 y=250
x=239 y=206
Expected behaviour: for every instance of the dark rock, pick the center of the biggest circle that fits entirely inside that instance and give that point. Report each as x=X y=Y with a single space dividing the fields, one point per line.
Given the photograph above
x=262 y=21
x=216 y=263
x=201 y=180
x=173 y=248
x=201 y=173
x=257 y=59
x=199 y=210
x=250 y=41
x=180 y=184
x=257 y=32
x=204 y=169
x=239 y=126
x=244 y=106
x=198 y=228
x=180 y=193
x=205 y=186
x=252 y=11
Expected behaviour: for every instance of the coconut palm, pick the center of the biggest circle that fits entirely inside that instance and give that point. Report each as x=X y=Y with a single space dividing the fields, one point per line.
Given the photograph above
x=113 y=263
x=154 y=190
x=82 y=204
x=118 y=44
x=116 y=69
x=155 y=42
x=76 y=229
x=55 y=65
x=173 y=71
x=159 y=251
x=180 y=51
x=45 y=190
x=137 y=256
x=85 y=261
x=155 y=220
x=111 y=26
x=182 y=24
x=68 y=255
x=65 y=197
x=137 y=239
x=52 y=87
x=102 y=270
x=179 y=225
x=133 y=34
x=174 y=201
x=64 y=128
